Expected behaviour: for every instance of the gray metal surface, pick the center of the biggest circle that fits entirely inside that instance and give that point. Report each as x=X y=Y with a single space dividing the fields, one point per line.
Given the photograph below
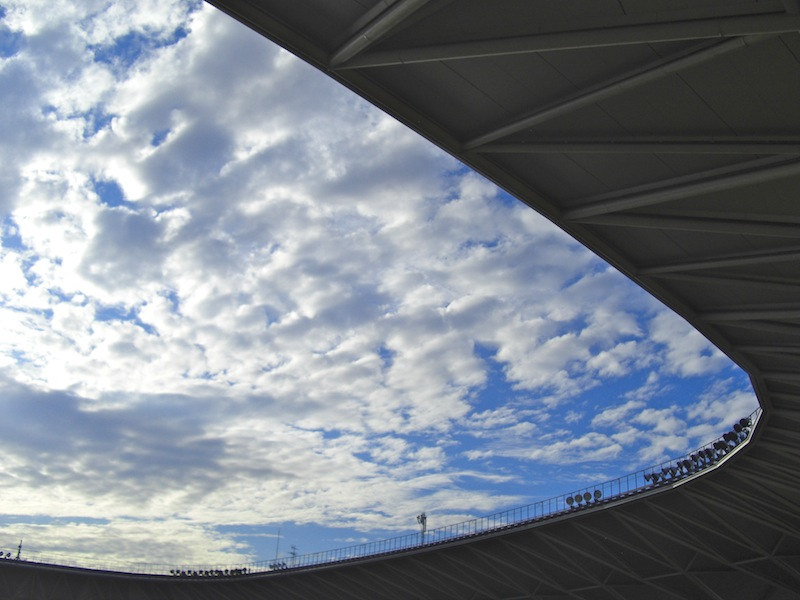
x=665 y=136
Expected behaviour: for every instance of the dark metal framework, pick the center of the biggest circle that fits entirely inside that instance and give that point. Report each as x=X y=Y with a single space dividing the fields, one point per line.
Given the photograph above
x=665 y=136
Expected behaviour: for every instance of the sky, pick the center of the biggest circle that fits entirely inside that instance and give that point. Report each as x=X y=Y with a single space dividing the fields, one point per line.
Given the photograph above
x=240 y=308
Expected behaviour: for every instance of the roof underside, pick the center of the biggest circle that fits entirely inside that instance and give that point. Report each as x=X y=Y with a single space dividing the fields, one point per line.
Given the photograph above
x=665 y=136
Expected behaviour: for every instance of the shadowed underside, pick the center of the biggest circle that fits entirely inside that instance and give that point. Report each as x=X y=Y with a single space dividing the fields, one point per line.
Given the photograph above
x=663 y=135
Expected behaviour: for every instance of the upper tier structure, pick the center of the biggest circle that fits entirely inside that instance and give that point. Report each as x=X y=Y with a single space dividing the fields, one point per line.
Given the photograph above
x=665 y=136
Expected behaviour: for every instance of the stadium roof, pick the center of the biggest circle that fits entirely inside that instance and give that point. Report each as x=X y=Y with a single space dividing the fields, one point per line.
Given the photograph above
x=663 y=135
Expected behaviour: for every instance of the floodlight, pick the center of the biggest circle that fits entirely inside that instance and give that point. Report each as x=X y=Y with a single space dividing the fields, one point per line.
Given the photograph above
x=669 y=471
x=745 y=422
x=570 y=500
x=597 y=495
x=587 y=496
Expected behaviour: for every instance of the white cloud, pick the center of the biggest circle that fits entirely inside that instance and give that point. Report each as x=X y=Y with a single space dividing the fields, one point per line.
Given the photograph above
x=688 y=353
x=586 y=448
x=661 y=420
x=616 y=414
x=101 y=540
x=720 y=406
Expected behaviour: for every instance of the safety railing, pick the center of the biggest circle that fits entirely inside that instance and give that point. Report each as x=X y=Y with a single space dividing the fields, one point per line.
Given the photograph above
x=665 y=474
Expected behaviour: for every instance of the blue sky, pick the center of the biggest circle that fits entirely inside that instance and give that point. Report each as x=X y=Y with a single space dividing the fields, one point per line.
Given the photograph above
x=236 y=298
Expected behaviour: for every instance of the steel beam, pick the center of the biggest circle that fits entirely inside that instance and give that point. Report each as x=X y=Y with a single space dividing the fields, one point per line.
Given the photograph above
x=661 y=68
x=620 y=35
x=697 y=224
x=774 y=283
x=787 y=329
x=643 y=147
x=778 y=349
x=668 y=190
x=376 y=29
x=781 y=376
x=751 y=314
x=731 y=260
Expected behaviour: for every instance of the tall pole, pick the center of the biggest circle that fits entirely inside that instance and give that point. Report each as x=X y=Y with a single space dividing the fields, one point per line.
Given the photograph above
x=422 y=519
x=19 y=549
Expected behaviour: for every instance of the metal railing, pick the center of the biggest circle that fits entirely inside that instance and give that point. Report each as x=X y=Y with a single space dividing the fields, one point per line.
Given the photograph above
x=664 y=475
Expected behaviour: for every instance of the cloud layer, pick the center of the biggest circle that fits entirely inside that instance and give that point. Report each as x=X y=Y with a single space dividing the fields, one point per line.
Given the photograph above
x=236 y=295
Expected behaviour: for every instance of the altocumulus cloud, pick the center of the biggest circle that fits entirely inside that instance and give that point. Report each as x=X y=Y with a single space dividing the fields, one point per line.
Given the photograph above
x=236 y=296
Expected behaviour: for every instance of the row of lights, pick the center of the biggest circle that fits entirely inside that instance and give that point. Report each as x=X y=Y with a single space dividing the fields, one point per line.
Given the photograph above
x=696 y=462
x=209 y=573
x=585 y=498
x=7 y=555
x=704 y=457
